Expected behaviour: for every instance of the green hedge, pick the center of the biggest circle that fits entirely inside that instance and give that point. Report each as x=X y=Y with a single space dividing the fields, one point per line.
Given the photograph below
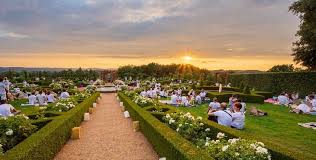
x=46 y=142
x=170 y=144
x=212 y=88
x=302 y=82
x=166 y=142
x=224 y=97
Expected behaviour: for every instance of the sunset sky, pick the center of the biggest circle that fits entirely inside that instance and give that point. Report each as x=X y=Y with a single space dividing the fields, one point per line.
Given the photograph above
x=217 y=34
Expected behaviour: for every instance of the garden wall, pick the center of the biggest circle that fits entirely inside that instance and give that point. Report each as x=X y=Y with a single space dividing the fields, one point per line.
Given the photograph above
x=46 y=142
x=302 y=82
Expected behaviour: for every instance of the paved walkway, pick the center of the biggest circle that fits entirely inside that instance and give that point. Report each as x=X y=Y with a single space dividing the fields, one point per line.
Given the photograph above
x=108 y=136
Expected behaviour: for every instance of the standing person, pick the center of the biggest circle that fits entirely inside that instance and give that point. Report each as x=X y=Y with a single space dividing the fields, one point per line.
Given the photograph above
x=223 y=116
x=3 y=90
x=238 y=117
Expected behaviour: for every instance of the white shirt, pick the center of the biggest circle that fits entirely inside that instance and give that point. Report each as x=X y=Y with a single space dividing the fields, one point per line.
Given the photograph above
x=143 y=93
x=2 y=88
x=223 y=118
x=174 y=99
x=5 y=109
x=215 y=105
x=203 y=94
x=7 y=84
x=313 y=102
x=64 y=95
x=32 y=99
x=238 y=120
x=40 y=98
x=50 y=98
x=283 y=100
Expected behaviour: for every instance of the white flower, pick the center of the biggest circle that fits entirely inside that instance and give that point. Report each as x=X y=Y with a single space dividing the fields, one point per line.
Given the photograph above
x=207 y=129
x=207 y=144
x=168 y=116
x=253 y=146
x=9 y=132
x=225 y=148
x=232 y=141
x=171 y=121
x=201 y=124
x=180 y=125
x=261 y=150
x=199 y=118
x=220 y=135
x=207 y=138
x=236 y=154
x=178 y=129
x=260 y=144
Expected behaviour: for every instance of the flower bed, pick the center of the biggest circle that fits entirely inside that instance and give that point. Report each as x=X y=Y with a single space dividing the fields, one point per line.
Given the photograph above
x=46 y=142
x=194 y=130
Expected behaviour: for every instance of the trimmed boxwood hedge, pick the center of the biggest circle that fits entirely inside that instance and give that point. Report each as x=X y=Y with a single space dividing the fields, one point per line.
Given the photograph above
x=224 y=97
x=172 y=145
x=46 y=142
x=210 y=88
x=302 y=82
x=166 y=142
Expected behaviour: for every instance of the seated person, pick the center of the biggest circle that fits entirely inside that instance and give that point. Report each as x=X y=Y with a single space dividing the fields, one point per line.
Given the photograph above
x=7 y=109
x=283 y=100
x=32 y=98
x=163 y=94
x=143 y=93
x=174 y=99
x=243 y=108
x=306 y=108
x=64 y=95
x=203 y=95
x=238 y=117
x=232 y=100
x=224 y=117
x=198 y=99
x=50 y=97
x=215 y=105
x=185 y=101
x=41 y=98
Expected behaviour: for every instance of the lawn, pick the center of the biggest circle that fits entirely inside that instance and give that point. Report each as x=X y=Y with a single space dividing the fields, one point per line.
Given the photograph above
x=25 y=109
x=279 y=127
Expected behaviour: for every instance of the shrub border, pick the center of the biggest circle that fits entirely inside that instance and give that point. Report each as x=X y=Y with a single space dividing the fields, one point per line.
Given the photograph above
x=46 y=142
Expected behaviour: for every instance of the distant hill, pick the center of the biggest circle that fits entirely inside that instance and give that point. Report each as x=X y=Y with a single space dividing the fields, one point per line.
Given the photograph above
x=4 y=69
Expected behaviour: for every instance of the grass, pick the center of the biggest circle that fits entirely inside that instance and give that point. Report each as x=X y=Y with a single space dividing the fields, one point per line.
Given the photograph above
x=279 y=127
x=25 y=109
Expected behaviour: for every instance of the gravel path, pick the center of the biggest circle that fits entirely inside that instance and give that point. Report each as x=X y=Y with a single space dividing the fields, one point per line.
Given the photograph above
x=108 y=136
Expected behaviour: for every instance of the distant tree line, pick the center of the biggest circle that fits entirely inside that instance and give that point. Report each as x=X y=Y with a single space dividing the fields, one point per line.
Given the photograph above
x=77 y=75
x=158 y=71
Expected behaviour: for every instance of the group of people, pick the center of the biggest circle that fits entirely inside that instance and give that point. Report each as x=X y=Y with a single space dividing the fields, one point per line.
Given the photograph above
x=297 y=105
x=232 y=115
x=177 y=98
x=42 y=98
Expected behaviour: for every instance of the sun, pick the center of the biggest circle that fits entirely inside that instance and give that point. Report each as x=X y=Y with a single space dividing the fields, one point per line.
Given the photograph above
x=187 y=58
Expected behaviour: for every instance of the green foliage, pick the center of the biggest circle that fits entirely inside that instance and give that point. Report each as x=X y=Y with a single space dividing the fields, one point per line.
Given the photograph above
x=14 y=129
x=301 y=82
x=304 y=50
x=224 y=97
x=167 y=143
x=46 y=142
x=282 y=68
x=63 y=105
x=246 y=90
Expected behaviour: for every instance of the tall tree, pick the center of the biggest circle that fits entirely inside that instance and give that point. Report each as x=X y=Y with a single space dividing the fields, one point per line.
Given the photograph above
x=304 y=49
x=282 y=68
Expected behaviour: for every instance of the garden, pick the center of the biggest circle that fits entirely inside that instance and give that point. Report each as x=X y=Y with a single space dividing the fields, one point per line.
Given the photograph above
x=39 y=132
x=189 y=135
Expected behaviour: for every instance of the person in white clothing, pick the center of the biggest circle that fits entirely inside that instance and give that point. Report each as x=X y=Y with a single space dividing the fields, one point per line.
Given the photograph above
x=198 y=99
x=174 y=100
x=50 y=97
x=283 y=100
x=203 y=95
x=64 y=95
x=215 y=105
x=41 y=98
x=143 y=93
x=32 y=99
x=223 y=116
x=238 y=117
x=6 y=109
x=3 y=90
x=306 y=108
x=7 y=83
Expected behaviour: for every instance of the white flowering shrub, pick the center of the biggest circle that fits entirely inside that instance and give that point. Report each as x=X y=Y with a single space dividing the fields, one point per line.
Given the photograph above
x=143 y=101
x=130 y=94
x=56 y=86
x=90 y=89
x=63 y=105
x=194 y=130
x=13 y=130
x=82 y=95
